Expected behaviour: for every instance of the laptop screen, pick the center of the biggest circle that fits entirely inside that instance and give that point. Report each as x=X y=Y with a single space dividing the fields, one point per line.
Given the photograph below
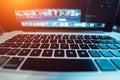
x=58 y=14
x=68 y=13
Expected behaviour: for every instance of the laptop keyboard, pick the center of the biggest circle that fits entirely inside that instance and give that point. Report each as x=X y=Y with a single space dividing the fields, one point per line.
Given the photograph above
x=39 y=52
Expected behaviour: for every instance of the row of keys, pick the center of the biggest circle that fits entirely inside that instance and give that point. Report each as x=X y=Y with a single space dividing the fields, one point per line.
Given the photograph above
x=53 y=36
x=87 y=41
x=60 y=53
x=67 y=64
x=61 y=46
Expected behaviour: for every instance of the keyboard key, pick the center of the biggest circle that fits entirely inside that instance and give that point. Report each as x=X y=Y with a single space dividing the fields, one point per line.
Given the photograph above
x=53 y=41
x=65 y=37
x=92 y=46
x=103 y=46
x=74 y=46
x=61 y=41
x=106 y=53
x=35 y=45
x=47 y=53
x=115 y=53
x=78 y=41
x=16 y=45
x=37 y=40
x=94 y=53
x=84 y=46
x=35 y=52
x=13 y=52
x=54 y=46
x=117 y=41
x=13 y=63
x=24 y=52
x=70 y=41
x=44 y=46
x=26 y=45
x=105 y=65
x=82 y=53
x=6 y=44
x=60 y=65
x=45 y=41
x=64 y=46
x=71 y=53
x=104 y=42
x=3 y=51
x=3 y=59
x=116 y=62
x=118 y=45
x=87 y=41
x=59 y=53
x=95 y=41
x=112 y=46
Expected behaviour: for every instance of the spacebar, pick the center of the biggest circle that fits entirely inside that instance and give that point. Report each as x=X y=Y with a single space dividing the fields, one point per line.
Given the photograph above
x=58 y=65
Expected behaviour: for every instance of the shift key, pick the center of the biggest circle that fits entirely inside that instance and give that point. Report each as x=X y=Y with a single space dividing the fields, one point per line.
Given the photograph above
x=13 y=63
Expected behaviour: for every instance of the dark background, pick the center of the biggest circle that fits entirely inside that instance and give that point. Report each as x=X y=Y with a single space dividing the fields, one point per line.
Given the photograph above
x=118 y=17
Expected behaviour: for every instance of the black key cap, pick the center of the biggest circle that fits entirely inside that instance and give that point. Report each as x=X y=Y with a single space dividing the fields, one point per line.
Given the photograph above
x=45 y=41
x=84 y=46
x=74 y=46
x=71 y=53
x=59 y=65
x=65 y=36
x=24 y=52
x=78 y=41
x=116 y=62
x=115 y=53
x=6 y=44
x=37 y=41
x=35 y=45
x=70 y=41
x=44 y=46
x=59 y=53
x=53 y=41
x=93 y=46
x=35 y=52
x=82 y=53
x=13 y=63
x=54 y=46
x=51 y=37
x=3 y=59
x=3 y=51
x=64 y=46
x=94 y=53
x=13 y=52
x=106 y=53
x=16 y=45
x=26 y=45
x=87 y=41
x=61 y=41
x=103 y=46
x=95 y=41
x=47 y=53
x=105 y=65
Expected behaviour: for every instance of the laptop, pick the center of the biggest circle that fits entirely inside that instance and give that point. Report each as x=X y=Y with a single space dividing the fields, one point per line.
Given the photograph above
x=59 y=40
